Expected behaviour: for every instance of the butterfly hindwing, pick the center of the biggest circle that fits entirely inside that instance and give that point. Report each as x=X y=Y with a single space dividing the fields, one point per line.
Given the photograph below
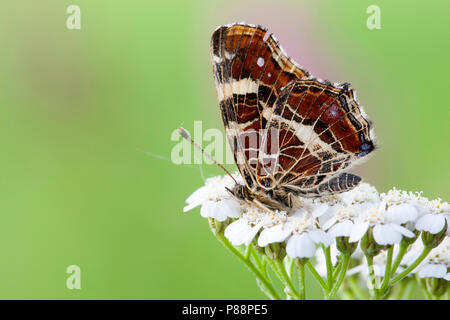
x=322 y=132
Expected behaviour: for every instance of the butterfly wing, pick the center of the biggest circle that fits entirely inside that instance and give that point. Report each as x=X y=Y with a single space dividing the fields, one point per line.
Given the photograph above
x=322 y=131
x=250 y=72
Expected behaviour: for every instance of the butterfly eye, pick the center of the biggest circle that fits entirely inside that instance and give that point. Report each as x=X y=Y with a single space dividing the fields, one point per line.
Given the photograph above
x=366 y=147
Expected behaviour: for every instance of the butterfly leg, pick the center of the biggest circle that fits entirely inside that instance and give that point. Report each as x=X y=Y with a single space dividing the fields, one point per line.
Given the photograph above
x=262 y=206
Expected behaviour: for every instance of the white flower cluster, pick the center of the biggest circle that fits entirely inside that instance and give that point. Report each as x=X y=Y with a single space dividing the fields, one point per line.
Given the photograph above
x=437 y=263
x=388 y=217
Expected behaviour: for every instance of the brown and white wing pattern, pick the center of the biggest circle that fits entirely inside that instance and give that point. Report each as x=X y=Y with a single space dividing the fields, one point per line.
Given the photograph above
x=290 y=133
x=322 y=131
x=250 y=72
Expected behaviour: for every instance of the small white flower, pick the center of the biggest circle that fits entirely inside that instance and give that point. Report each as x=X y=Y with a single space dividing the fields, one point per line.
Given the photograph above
x=243 y=230
x=385 y=229
x=404 y=205
x=240 y=232
x=274 y=234
x=305 y=235
x=390 y=217
x=220 y=210
x=436 y=264
x=319 y=208
x=361 y=197
x=342 y=223
x=298 y=230
x=435 y=220
x=215 y=200
x=300 y=246
x=350 y=205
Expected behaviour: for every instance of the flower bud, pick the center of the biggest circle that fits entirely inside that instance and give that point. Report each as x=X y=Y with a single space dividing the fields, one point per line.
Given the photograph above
x=344 y=246
x=433 y=240
x=369 y=246
x=275 y=250
x=218 y=227
x=301 y=261
x=407 y=241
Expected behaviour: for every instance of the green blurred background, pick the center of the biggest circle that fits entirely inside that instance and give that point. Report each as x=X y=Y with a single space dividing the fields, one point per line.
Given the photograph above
x=86 y=118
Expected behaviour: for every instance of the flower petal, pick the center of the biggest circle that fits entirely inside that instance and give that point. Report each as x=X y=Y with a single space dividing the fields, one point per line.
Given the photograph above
x=341 y=229
x=227 y=208
x=320 y=209
x=237 y=232
x=300 y=246
x=404 y=231
x=385 y=234
x=330 y=222
x=402 y=213
x=197 y=196
x=273 y=234
x=359 y=229
x=208 y=208
x=432 y=223
x=320 y=236
x=252 y=233
x=432 y=271
x=191 y=206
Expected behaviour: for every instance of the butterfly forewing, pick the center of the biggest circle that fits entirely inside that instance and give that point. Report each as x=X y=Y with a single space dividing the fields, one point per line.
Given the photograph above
x=250 y=72
x=323 y=132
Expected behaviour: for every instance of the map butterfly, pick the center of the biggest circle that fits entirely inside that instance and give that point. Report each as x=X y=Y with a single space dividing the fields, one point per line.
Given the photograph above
x=291 y=134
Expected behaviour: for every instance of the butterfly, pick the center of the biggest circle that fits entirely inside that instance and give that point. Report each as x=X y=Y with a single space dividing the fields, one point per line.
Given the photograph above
x=291 y=134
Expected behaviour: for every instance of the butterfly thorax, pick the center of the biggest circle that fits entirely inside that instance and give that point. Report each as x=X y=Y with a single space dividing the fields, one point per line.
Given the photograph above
x=271 y=200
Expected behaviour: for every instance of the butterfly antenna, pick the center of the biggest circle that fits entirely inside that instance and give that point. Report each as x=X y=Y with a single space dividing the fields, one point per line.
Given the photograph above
x=186 y=136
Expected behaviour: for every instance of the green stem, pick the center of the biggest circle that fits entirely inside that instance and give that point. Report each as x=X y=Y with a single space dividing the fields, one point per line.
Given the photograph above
x=341 y=276
x=327 y=253
x=301 y=279
x=318 y=278
x=373 y=289
x=278 y=267
x=337 y=270
x=270 y=290
x=399 y=257
x=387 y=272
x=416 y=262
x=291 y=268
x=255 y=257
x=248 y=251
